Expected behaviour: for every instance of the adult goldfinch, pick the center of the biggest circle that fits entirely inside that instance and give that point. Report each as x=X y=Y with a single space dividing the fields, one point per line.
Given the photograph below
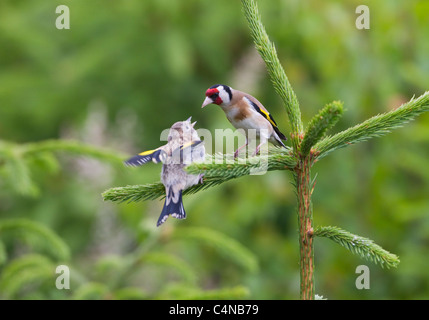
x=245 y=112
x=183 y=148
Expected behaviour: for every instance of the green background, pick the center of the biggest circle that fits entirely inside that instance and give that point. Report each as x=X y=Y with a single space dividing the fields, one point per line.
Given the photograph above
x=126 y=70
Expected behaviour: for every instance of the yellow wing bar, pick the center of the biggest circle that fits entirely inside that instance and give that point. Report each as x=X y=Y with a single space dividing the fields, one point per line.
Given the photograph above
x=267 y=116
x=156 y=155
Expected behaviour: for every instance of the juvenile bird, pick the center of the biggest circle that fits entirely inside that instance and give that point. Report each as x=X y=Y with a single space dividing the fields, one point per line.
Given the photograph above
x=245 y=112
x=183 y=148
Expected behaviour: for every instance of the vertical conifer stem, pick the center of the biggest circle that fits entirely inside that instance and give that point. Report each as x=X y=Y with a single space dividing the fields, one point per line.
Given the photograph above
x=305 y=223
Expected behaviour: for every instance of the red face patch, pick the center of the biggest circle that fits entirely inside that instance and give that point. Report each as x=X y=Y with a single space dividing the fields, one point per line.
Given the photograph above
x=213 y=94
x=212 y=91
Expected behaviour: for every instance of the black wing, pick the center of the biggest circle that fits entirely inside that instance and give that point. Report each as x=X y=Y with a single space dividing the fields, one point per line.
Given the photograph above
x=269 y=117
x=156 y=156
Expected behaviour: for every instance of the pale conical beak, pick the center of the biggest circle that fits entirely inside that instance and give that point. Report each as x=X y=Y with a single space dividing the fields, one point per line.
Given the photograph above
x=193 y=124
x=206 y=102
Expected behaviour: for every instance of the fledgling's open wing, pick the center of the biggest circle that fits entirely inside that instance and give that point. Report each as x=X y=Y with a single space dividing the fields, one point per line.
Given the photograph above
x=185 y=153
x=156 y=156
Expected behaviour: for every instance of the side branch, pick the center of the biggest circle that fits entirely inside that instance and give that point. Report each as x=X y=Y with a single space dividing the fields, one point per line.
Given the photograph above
x=374 y=127
x=324 y=120
x=214 y=174
x=364 y=247
x=71 y=146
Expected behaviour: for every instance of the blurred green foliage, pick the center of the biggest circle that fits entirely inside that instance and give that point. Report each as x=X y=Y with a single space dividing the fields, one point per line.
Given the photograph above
x=127 y=70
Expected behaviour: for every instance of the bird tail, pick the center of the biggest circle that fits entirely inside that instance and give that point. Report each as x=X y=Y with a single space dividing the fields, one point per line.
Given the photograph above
x=281 y=135
x=278 y=141
x=173 y=206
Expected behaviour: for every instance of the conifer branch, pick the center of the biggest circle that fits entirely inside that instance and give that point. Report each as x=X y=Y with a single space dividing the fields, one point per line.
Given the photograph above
x=300 y=160
x=277 y=74
x=38 y=235
x=324 y=120
x=15 y=159
x=374 y=127
x=135 y=193
x=18 y=174
x=24 y=271
x=216 y=170
x=223 y=166
x=71 y=146
x=361 y=246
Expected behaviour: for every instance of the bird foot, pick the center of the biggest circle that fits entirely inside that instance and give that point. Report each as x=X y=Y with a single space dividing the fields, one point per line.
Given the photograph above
x=254 y=154
x=200 y=178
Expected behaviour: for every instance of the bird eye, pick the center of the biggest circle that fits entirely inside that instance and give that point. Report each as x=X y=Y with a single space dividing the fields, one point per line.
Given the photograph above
x=214 y=96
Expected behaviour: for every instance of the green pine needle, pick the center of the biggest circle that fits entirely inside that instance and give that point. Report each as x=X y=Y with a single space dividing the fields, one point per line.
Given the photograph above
x=223 y=166
x=135 y=193
x=277 y=74
x=361 y=246
x=19 y=175
x=217 y=170
x=16 y=160
x=324 y=120
x=374 y=127
x=74 y=147
x=36 y=235
x=21 y=272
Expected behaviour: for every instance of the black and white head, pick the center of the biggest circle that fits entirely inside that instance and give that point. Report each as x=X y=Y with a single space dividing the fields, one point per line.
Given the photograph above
x=219 y=94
